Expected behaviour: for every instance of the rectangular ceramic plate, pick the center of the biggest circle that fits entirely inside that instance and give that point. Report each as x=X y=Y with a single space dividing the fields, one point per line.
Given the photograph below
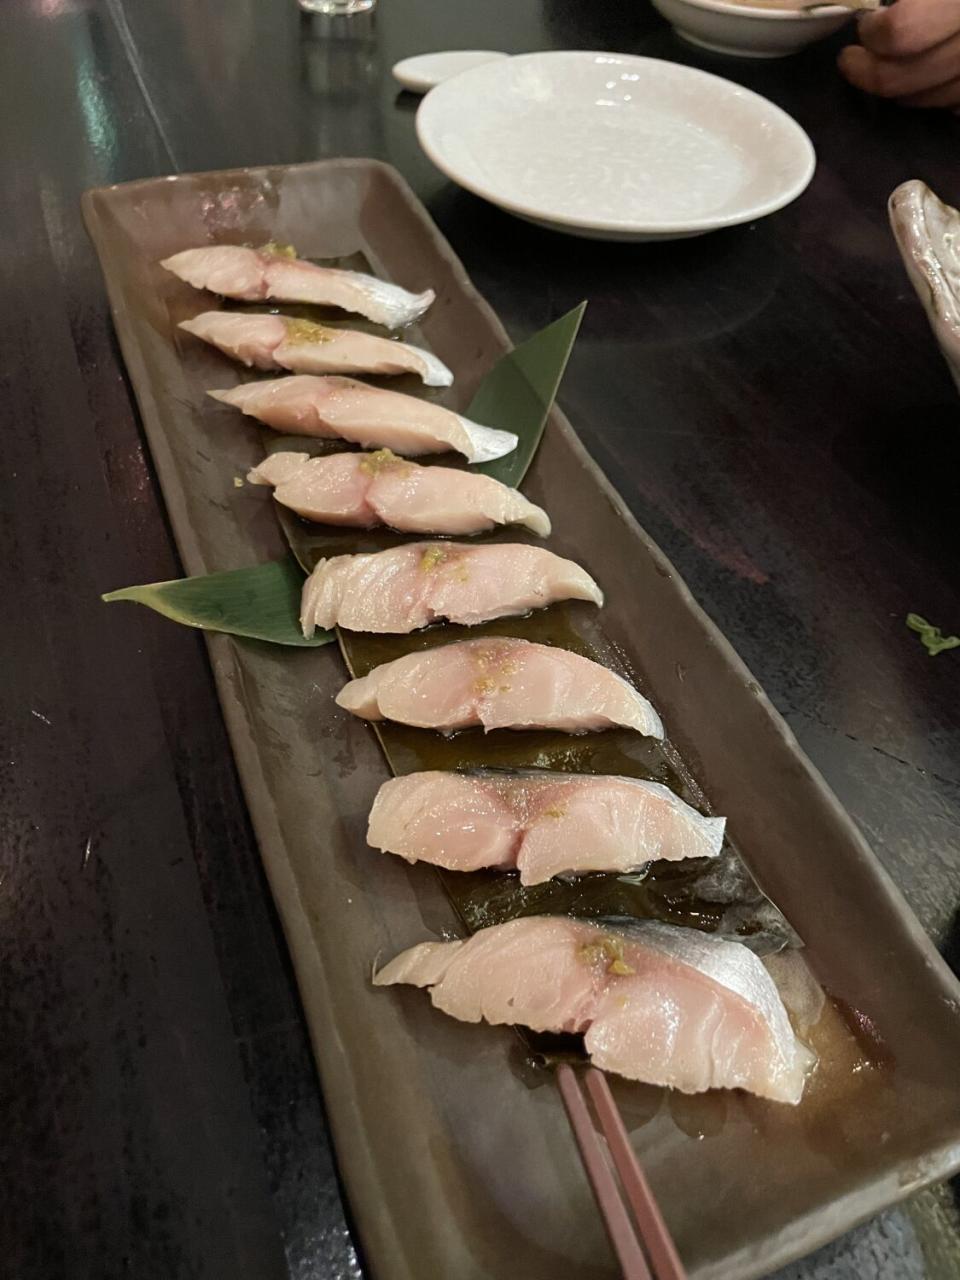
x=457 y=1158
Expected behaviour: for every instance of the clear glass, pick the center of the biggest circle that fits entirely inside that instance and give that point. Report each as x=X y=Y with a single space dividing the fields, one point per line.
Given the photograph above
x=336 y=8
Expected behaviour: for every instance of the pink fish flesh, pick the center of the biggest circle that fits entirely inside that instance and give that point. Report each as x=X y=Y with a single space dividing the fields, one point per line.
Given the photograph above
x=300 y=346
x=542 y=824
x=668 y=1006
x=260 y=275
x=367 y=489
x=500 y=683
x=342 y=408
x=407 y=587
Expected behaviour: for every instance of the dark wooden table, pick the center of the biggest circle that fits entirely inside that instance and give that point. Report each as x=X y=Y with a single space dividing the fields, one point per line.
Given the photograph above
x=769 y=401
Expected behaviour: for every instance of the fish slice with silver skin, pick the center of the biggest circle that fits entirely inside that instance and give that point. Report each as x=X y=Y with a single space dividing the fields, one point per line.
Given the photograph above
x=400 y=590
x=300 y=346
x=500 y=682
x=274 y=273
x=540 y=823
x=654 y=1002
x=362 y=490
x=342 y=408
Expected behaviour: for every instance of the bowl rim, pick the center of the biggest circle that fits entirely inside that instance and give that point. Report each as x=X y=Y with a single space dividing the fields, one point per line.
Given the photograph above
x=676 y=227
x=777 y=15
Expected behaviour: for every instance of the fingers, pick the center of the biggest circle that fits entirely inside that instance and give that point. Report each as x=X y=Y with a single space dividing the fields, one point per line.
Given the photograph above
x=910 y=51
x=909 y=27
x=945 y=95
x=902 y=77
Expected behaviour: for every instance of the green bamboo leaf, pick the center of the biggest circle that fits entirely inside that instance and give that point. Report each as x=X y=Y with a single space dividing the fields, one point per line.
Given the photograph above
x=262 y=602
x=517 y=393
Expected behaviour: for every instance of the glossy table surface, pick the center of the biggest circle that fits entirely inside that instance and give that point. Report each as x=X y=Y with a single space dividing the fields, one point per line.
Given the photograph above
x=768 y=400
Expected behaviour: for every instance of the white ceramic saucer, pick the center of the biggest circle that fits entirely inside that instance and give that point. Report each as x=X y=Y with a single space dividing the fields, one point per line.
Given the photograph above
x=427 y=70
x=614 y=147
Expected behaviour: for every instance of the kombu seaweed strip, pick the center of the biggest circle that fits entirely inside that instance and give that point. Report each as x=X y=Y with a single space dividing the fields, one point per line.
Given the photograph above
x=719 y=894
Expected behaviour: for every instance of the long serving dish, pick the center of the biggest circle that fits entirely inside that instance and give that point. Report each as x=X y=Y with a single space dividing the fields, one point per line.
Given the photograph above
x=456 y=1162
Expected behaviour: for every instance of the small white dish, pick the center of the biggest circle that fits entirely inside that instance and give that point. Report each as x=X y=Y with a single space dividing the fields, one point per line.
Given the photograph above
x=427 y=70
x=615 y=147
x=750 y=33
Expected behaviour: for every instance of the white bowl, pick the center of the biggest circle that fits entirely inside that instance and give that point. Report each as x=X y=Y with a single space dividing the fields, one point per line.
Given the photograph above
x=750 y=33
x=614 y=147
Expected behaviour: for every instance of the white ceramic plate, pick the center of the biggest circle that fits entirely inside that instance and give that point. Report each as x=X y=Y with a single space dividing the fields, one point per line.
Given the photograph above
x=425 y=71
x=614 y=147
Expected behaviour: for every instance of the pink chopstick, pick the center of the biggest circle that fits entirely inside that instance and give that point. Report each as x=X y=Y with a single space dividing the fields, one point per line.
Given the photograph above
x=637 y=1231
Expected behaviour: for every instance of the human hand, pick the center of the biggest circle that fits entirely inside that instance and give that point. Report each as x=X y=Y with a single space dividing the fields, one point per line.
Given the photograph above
x=910 y=51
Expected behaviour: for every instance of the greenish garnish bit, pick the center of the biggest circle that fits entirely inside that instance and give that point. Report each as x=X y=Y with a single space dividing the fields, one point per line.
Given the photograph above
x=383 y=460
x=308 y=331
x=607 y=951
x=931 y=637
x=276 y=249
